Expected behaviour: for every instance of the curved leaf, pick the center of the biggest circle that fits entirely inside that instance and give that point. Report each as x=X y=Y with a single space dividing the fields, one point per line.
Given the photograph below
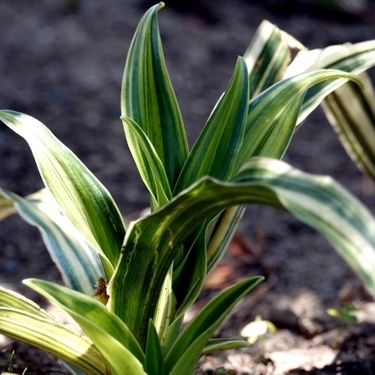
x=351 y=58
x=84 y=200
x=351 y=111
x=215 y=345
x=147 y=97
x=14 y=300
x=267 y=56
x=148 y=163
x=326 y=206
x=52 y=337
x=94 y=318
x=152 y=242
x=273 y=114
x=77 y=261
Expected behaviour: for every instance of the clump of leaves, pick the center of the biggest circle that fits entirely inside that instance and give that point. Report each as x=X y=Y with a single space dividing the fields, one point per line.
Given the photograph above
x=149 y=273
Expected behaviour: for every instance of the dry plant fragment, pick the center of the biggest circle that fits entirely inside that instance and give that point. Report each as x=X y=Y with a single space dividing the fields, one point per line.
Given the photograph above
x=100 y=293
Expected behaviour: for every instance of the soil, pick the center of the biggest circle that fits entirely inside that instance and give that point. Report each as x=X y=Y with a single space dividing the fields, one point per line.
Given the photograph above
x=62 y=61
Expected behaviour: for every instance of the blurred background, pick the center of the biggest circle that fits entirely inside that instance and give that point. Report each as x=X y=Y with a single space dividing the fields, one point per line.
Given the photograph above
x=61 y=61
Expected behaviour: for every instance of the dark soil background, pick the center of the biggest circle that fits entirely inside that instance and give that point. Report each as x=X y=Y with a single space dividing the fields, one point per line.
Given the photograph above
x=62 y=63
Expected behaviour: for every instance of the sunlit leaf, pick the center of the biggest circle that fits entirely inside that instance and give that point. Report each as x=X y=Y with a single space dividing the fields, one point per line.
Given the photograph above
x=84 y=200
x=273 y=114
x=215 y=152
x=96 y=321
x=147 y=97
x=148 y=163
x=152 y=242
x=52 y=337
x=267 y=56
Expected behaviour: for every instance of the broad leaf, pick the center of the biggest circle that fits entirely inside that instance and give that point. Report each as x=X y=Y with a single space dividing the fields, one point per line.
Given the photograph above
x=94 y=318
x=84 y=200
x=147 y=97
x=267 y=56
x=14 y=300
x=52 y=337
x=351 y=111
x=77 y=261
x=273 y=114
x=351 y=58
x=153 y=242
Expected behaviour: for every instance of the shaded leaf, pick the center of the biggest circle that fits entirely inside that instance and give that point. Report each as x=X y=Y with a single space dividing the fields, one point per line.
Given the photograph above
x=351 y=111
x=77 y=261
x=182 y=357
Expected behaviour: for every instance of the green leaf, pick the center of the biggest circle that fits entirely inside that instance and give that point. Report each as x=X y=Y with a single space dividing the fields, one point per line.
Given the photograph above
x=351 y=58
x=189 y=278
x=166 y=307
x=351 y=111
x=96 y=321
x=172 y=334
x=77 y=261
x=182 y=357
x=215 y=152
x=148 y=163
x=147 y=97
x=267 y=56
x=153 y=242
x=14 y=300
x=325 y=205
x=154 y=356
x=84 y=200
x=52 y=337
x=273 y=114
x=223 y=234
x=215 y=345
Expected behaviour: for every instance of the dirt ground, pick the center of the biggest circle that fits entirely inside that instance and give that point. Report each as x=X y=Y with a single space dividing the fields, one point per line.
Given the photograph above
x=63 y=65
